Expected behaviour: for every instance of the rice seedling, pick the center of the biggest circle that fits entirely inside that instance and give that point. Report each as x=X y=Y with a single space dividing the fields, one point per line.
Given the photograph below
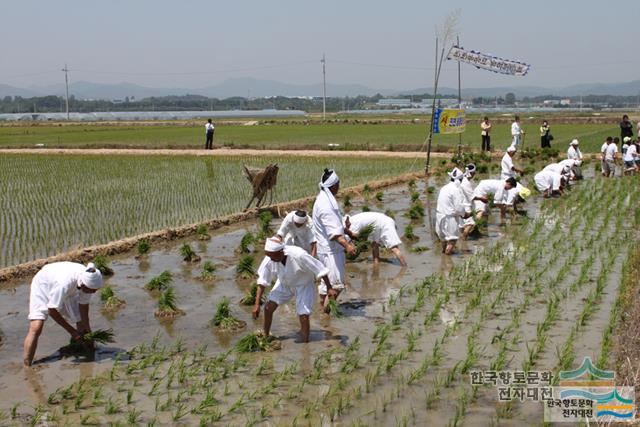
x=202 y=232
x=160 y=282
x=167 y=304
x=431 y=189
x=415 y=196
x=111 y=407
x=250 y=297
x=247 y=240
x=245 y=268
x=102 y=264
x=334 y=308
x=346 y=201
x=223 y=318
x=365 y=208
x=409 y=233
x=416 y=211
x=188 y=254
x=417 y=249
x=143 y=246
x=133 y=416
x=208 y=270
x=257 y=341
x=110 y=302
x=264 y=225
x=411 y=184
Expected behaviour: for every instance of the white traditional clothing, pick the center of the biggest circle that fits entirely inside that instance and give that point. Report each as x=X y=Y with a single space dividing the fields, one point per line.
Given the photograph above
x=547 y=180
x=327 y=223
x=574 y=153
x=450 y=207
x=486 y=187
x=467 y=191
x=384 y=228
x=267 y=272
x=56 y=286
x=292 y=234
x=507 y=167
x=296 y=278
x=516 y=133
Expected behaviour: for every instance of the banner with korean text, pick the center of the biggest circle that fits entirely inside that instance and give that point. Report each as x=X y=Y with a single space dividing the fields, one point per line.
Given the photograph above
x=449 y=121
x=488 y=62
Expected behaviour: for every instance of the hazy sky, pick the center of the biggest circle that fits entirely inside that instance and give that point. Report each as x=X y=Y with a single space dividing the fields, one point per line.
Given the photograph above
x=382 y=44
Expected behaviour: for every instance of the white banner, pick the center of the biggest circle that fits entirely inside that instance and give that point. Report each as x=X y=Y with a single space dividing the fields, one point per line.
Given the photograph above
x=488 y=62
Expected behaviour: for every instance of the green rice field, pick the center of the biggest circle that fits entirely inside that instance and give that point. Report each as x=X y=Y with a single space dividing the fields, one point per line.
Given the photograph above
x=349 y=136
x=50 y=204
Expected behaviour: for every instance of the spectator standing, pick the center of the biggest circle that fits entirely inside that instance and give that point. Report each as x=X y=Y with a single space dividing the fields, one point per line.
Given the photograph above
x=486 y=134
x=545 y=135
x=626 y=128
x=516 y=132
x=209 y=129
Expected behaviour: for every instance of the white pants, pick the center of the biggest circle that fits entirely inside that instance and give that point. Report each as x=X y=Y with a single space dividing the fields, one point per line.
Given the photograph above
x=38 y=309
x=447 y=227
x=335 y=263
x=305 y=296
x=463 y=222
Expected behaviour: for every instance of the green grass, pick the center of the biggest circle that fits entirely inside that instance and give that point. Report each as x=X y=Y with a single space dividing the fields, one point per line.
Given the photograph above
x=349 y=136
x=107 y=198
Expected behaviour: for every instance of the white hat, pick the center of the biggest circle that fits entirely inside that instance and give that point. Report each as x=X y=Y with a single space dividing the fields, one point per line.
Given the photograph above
x=273 y=245
x=91 y=277
x=575 y=142
x=300 y=217
x=455 y=174
x=511 y=149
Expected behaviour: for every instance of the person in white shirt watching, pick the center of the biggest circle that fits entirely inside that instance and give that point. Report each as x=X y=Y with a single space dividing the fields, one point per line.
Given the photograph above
x=516 y=132
x=209 y=129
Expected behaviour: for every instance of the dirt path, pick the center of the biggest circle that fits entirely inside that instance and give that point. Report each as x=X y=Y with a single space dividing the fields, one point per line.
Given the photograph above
x=226 y=152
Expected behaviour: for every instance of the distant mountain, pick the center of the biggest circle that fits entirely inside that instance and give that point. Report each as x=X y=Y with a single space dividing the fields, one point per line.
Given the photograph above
x=247 y=86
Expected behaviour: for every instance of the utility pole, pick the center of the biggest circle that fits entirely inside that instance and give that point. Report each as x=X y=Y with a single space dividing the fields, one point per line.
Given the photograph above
x=324 y=88
x=459 y=99
x=66 y=81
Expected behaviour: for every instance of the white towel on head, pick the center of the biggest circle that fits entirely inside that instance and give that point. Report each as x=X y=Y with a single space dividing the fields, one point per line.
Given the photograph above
x=273 y=245
x=91 y=277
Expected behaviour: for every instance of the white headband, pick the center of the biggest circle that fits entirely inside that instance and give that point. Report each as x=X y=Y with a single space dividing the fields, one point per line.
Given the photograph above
x=273 y=245
x=455 y=174
x=300 y=219
x=331 y=181
x=91 y=277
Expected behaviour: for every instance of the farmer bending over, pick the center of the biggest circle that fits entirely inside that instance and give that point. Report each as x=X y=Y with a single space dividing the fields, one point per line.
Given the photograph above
x=383 y=233
x=59 y=290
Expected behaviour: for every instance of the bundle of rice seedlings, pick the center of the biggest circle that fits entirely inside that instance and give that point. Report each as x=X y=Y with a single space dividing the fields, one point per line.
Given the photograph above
x=102 y=263
x=110 y=301
x=202 y=231
x=207 y=271
x=379 y=196
x=257 y=341
x=245 y=269
x=415 y=196
x=167 y=304
x=411 y=184
x=143 y=246
x=247 y=240
x=160 y=282
x=365 y=208
x=418 y=249
x=431 y=189
x=333 y=308
x=264 y=225
x=346 y=201
x=99 y=336
x=408 y=232
x=250 y=297
x=362 y=242
x=416 y=211
x=188 y=254
x=223 y=318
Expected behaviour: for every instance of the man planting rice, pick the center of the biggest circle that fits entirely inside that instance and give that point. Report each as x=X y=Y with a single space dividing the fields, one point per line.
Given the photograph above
x=60 y=290
x=383 y=233
x=296 y=229
x=497 y=188
x=296 y=272
x=330 y=235
x=451 y=206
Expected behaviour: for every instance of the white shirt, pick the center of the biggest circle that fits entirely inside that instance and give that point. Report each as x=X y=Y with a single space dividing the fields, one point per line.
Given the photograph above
x=467 y=189
x=486 y=128
x=327 y=223
x=209 y=127
x=603 y=148
x=451 y=201
x=510 y=195
x=610 y=152
x=491 y=186
x=301 y=236
x=574 y=153
x=58 y=282
x=383 y=225
x=515 y=129
x=267 y=272
x=301 y=269
x=507 y=167
x=546 y=180
x=631 y=153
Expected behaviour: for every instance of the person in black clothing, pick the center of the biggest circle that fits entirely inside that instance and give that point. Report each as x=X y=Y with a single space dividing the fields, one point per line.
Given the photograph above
x=545 y=135
x=626 y=128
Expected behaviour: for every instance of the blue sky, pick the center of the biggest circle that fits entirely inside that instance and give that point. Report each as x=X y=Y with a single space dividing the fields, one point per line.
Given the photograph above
x=198 y=43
